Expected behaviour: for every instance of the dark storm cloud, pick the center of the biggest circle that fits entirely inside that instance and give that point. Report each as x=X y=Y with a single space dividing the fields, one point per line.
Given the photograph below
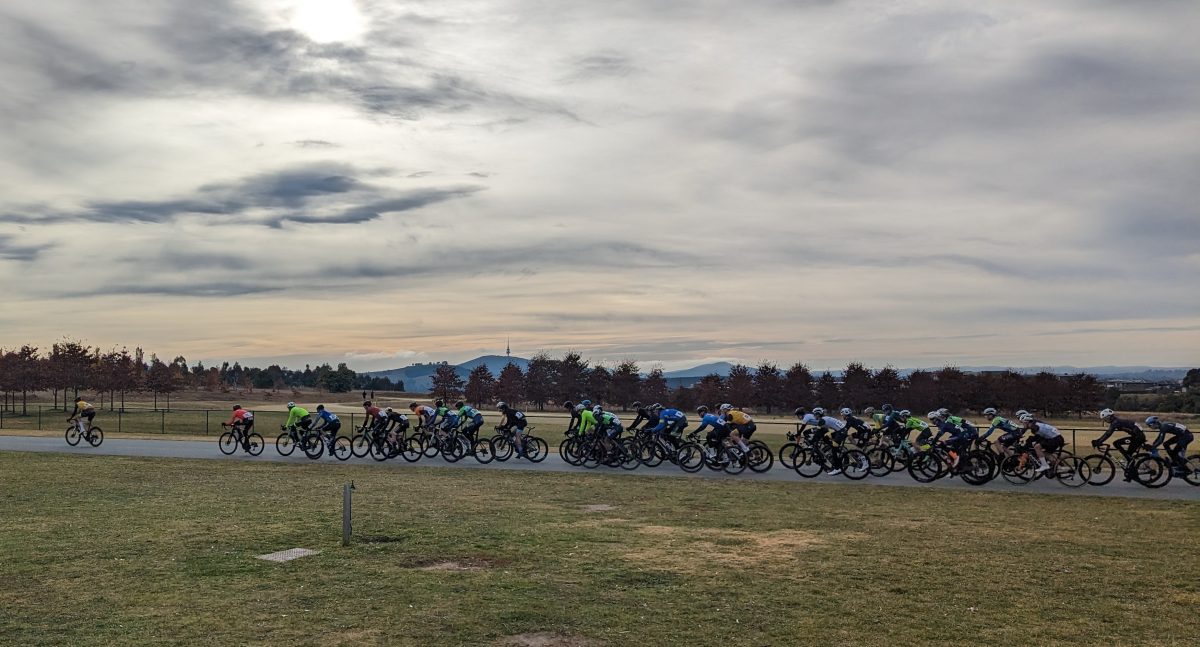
x=287 y=190
x=11 y=250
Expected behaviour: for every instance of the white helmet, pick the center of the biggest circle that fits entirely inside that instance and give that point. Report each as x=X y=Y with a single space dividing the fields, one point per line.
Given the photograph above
x=818 y=412
x=1021 y=413
x=1027 y=418
x=726 y=407
x=990 y=412
x=596 y=410
x=944 y=412
x=846 y=411
x=936 y=415
x=905 y=413
x=291 y=404
x=1106 y=414
x=868 y=411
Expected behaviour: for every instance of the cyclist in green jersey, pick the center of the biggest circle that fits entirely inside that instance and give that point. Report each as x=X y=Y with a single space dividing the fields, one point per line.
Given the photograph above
x=298 y=417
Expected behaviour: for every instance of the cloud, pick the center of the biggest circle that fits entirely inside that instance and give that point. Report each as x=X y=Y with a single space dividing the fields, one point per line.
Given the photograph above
x=206 y=290
x=601 y=64
x=10 y=250
x=315 y=143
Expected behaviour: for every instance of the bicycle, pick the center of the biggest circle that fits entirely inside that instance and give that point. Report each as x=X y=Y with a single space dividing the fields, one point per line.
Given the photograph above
x=503 y=445
x=292 y=437
x=1022 y=466
x=93 y=435
x=823 y=456
x=1142 y=466
x=228 y=442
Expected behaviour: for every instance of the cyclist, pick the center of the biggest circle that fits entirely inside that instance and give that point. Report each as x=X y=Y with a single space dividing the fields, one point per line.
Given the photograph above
x=608 y=424
x=806 y=419
x=1046 y=439
x=961 y=432
x=327 y=425
x=439 y=412
x=393 y=422
x=574 y=410
x=720 y=431
x=1009 y=435
x=862 y=430
x=245 y=419
x=741 y=422
x=913 y=423
x=516 y=422
x=85 y=411
x=1176 y=447
x=671 y=421
x=473 y=419
x=643 y=413
x=450 y=419
x=1128 y=445
x=875 y=418
x=425 y=414
x=297 y=417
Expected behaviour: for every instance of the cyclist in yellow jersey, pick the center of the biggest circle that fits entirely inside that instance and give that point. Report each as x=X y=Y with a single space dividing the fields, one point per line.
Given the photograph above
x=741 y=423
x=83 y=410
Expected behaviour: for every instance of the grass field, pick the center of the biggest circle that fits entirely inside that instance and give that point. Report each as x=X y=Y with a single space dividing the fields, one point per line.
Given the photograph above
x=119 y=551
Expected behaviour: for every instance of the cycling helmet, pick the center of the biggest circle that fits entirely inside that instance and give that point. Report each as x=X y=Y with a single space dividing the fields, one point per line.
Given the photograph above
x=579 y=408
x=502 y=406
x=1106 y=414
x=990 y=412
x=1027 y=418
x=846 y=411
x=936 y=415
x=800 y=411
x=291 y=404
x=868 y=411
x=887 y=407
x=389 y=409
x=1021 y=413
x=637 y=404
x=439 y=403
x=701 y=410
x=905 y=413
x=413 y=406
x=1152 y=421
x=597 y=410
x=366 y=404
x=320 y=407
x=236 y=407
x=944 y=412
x=818 y=412
x=568 y=405
x=726 y=407
x=587 y=404
x=460 y=404
x=656 y=407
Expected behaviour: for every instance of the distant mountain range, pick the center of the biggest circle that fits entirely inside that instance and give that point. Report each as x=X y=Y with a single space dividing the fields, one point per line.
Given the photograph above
x=417 y=378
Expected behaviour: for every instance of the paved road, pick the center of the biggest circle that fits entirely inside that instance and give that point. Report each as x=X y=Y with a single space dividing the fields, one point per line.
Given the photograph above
x=207 y=449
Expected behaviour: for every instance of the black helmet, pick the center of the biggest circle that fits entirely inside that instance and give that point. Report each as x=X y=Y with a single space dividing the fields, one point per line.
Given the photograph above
x=439 y=403
x=460 y=404
x=568 y=405
x=236 y=407
x=366 y=403
x=637 y=405
x=413 y=406
x=502 y=406
x=702 y=409
x=800 y=411
x=886 y=407
x=320 y=407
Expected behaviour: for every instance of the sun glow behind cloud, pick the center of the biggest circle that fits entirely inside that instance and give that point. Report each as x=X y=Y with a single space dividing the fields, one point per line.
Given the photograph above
x=327 y=21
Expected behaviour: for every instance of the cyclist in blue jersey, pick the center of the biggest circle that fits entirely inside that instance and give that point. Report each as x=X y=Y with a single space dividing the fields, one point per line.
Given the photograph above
x=720 y=431
x=516 y=422
x=327 y=425
x=862 y=431
x=1176 y=447
x=670 y=421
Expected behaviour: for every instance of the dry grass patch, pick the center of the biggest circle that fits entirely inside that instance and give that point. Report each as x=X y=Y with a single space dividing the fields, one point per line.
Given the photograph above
x=546 y=640
x=675 y=548
x=596 y=507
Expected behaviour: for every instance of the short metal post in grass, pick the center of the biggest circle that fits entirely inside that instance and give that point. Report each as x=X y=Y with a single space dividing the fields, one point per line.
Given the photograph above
x=346 y=503
x=162 y=421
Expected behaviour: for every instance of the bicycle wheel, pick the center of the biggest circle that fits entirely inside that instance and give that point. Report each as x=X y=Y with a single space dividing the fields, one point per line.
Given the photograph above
x=788 y=455
x=312 y=446
x=855 y=465
x=453 y=448
x=1101 y=469
x=227 y=443
x=808 y=464
x=360 y=445
x=690 y=457
x=760 y=459
x=977 y=467
x=536 y=449
x=95 y=436
x=732 y=459
x=1193 y=470
x=255 y=444
x=1071 y=471
x=502 y=448
x=285 y=444
x=881 y=461
x=432 y=446
x=381 y=450
x=1151 y=471
x=1018 y=469
x=568 y=450
x=342 y=449
x=650 y=453
x=72 y=435
x=925 y=467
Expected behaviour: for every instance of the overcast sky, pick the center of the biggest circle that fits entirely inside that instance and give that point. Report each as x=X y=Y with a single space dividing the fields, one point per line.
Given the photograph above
x=672 y=181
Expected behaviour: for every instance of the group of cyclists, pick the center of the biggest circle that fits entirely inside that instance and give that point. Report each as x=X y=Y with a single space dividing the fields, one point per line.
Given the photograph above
x=728 y=425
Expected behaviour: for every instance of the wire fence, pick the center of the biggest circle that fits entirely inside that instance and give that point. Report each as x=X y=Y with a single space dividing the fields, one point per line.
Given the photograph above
x=207 y=422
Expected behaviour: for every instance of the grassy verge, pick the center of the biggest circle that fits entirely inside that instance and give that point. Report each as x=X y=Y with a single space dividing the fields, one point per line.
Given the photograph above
x=136 y=551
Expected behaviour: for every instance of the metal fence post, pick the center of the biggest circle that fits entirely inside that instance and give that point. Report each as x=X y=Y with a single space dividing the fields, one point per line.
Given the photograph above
x=1073 y=449
x=162 y=421
x=206 y=422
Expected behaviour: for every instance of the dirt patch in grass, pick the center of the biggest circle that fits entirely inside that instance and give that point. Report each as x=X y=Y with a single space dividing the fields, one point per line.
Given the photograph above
x=546 y=640
x=596 y=507
x=675 y=546
x=454 y=564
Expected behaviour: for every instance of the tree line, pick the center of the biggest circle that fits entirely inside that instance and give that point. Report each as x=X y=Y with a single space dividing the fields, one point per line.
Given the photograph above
x=768 y=388
x=70 y=367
